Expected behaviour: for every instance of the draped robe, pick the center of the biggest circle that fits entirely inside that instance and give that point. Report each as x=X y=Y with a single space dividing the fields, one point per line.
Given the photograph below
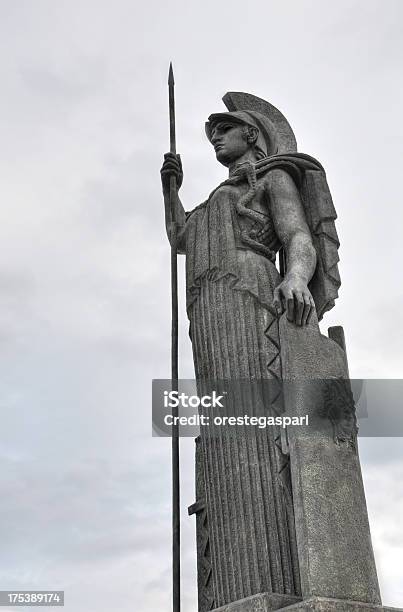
x=231 y=244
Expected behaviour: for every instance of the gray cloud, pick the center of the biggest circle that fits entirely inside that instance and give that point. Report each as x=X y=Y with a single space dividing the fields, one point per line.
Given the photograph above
x=84 y=272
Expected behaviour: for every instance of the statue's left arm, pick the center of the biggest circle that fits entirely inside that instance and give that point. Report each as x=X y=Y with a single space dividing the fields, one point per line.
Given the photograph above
x=292 y=294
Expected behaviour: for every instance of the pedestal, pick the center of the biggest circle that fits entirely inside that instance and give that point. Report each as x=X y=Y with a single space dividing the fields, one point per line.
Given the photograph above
x=268 y=602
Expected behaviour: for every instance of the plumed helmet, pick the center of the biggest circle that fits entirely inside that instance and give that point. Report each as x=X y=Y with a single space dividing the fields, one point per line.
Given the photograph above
x=278 y=132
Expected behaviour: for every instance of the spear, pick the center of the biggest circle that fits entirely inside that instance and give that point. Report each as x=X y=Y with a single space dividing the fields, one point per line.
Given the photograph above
x=174 y=359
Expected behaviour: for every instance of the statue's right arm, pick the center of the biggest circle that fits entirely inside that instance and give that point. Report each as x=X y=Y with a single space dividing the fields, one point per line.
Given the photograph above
x=172 y=166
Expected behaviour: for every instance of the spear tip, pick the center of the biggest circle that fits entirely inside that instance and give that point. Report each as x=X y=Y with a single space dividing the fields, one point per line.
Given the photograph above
x=171 y=75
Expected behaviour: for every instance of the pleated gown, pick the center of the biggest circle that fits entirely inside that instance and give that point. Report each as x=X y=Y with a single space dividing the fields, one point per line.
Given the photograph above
x=234 y=333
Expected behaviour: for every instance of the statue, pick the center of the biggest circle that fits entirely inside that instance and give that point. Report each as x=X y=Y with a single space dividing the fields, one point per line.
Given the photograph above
x=258 y=536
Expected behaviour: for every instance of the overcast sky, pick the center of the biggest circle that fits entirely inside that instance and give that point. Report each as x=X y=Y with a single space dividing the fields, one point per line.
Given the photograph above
x=84 y=266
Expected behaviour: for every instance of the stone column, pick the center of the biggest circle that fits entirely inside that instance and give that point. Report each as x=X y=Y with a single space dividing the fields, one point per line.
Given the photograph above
x=333 y=535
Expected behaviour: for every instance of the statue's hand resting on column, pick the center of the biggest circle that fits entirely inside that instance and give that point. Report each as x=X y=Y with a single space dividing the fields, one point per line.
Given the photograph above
x=292 y=294
x=294 y=297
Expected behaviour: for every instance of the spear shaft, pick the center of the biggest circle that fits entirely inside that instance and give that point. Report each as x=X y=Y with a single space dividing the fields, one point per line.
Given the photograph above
x=174 y=359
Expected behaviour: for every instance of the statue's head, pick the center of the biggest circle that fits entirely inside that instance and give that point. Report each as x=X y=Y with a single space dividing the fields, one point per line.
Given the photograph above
x=233 y=134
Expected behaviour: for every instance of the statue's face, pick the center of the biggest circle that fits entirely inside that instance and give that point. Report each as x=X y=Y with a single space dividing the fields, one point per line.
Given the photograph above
x=230 y=141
